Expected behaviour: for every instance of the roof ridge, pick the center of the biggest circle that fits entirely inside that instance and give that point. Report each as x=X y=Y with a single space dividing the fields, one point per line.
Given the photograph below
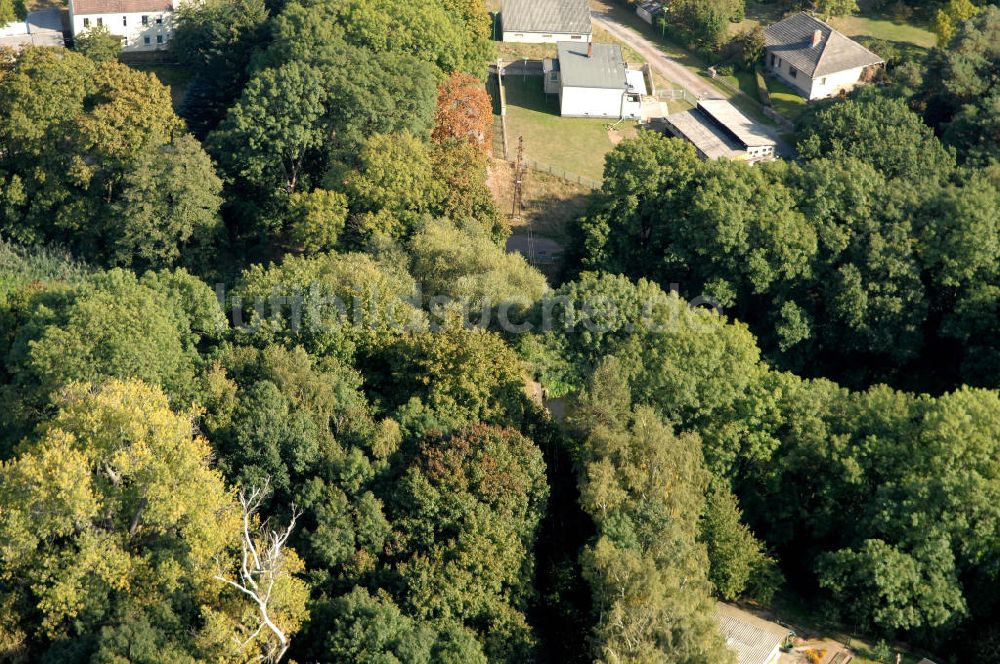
x=833 y=31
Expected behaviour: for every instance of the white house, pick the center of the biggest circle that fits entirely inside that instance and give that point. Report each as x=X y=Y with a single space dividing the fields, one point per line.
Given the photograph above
x=143 y=25
x=719 y=130
x=545 y=21
x=592 y=80
x=815 y=59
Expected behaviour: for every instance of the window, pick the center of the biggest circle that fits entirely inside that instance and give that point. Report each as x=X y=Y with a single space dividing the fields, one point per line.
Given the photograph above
x=576 y=37
x=100 y=21
x=793 y=71
x=822 y=81
x=773 y=59
x=554 y=76
x=518 y=34
x=633 y=98
x=145 y=20
x=145 y=40
x=124 y=20
x=159 y=20
x=159 y=39
x=86 y=22
x=546 y=36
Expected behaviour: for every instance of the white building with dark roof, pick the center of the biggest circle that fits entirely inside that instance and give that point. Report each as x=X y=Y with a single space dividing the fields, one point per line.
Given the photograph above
x=142 y=25
x=593 y=80
x=815 y=59
x=546 y=21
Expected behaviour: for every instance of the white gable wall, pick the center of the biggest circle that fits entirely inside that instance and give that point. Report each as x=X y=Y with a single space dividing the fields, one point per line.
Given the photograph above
x=543 y=38
x=834 y=84
x=598 y=103
x=819 y=87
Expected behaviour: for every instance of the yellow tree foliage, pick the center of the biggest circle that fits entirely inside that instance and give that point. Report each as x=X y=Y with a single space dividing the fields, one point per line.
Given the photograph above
x=949 y=17
x=114 y=509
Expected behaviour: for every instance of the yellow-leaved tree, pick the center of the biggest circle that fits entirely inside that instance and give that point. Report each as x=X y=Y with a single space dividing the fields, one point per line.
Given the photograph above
x=116 y=535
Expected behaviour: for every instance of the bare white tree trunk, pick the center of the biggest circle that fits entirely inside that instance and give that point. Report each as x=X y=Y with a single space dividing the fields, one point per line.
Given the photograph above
x=260 y=564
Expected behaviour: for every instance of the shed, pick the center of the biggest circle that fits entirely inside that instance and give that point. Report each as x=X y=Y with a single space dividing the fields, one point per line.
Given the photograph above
x=546 y=21
x=648 y=10
x=753 y=639
x=719 y=130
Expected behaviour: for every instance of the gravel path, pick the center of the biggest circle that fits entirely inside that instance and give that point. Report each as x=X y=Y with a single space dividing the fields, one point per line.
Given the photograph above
x=658 y=60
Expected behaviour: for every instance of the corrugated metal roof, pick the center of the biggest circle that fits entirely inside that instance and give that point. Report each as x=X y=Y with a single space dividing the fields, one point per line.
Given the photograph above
x=699 y=130
x=752 y=639
x=750 y=133
x=792 y=41
x=605 y=69
x=546 y=16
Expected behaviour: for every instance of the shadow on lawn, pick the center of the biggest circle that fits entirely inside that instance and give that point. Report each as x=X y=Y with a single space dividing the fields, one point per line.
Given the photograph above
x=527 y=92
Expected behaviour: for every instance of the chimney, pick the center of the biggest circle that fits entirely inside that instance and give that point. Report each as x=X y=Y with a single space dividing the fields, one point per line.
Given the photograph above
x=817 y=38
x=590 y=49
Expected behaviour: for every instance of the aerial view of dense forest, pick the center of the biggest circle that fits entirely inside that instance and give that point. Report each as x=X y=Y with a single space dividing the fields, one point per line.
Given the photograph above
x=278 y=382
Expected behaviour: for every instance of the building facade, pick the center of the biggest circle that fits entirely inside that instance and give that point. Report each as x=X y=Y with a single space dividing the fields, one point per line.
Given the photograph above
x=142 y=25
x=546 y=21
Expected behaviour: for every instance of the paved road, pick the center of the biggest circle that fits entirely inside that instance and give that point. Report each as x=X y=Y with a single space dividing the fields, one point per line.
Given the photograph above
x=658 y=60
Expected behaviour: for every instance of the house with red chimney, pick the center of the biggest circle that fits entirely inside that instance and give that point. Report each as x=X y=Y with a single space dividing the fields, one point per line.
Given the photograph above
x=815 y=59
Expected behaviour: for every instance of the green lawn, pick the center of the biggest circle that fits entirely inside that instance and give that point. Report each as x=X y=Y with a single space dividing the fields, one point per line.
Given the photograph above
x=872 y=23
x=885 y=29
x=785 y=99
x=575 y=145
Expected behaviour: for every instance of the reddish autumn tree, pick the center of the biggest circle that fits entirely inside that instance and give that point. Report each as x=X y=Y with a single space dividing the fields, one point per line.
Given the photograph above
x=464 y=112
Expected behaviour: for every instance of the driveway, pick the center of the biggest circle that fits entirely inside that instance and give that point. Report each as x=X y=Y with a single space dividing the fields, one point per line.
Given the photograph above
x=46 y=27
x=658 y=60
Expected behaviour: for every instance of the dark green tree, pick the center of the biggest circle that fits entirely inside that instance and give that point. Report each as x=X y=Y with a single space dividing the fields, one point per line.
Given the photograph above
x=216 y=39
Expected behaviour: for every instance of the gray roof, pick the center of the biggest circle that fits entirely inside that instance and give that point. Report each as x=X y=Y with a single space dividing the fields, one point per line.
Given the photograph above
x=752 y=638
x=546 y=16
x=792 y=41
x=749 y=133
x=605 y=69
x=698 y=129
